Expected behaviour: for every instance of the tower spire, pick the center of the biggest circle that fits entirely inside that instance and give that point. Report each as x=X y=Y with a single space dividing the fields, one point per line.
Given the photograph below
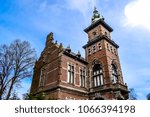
x=96 y=16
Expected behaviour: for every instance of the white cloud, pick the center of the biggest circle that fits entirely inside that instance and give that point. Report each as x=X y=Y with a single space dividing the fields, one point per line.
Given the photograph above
x=137 y=13
x=83 y=6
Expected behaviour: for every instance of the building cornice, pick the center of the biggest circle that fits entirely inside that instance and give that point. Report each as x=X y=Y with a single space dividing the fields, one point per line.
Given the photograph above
x=74 y=56
x=99 y=38
x=100 y=21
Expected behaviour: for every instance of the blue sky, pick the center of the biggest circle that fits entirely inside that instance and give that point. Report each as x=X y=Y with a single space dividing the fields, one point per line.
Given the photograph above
x=32 y=20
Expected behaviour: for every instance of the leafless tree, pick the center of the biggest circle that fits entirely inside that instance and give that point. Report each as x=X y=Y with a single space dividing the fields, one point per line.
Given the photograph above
x=16 y=63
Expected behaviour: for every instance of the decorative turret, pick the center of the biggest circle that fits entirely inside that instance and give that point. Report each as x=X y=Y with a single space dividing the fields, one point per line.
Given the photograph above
x=96 y=16
x=49 y=38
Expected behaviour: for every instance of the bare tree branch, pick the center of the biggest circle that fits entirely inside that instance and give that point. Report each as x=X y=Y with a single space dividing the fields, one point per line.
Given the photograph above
x=16 y=63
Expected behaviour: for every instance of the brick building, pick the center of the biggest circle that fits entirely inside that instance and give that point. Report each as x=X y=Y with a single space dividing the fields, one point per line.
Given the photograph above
x=61 y=74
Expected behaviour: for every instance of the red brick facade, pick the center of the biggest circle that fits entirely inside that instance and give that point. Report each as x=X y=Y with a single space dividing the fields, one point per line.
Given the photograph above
x=62 y=74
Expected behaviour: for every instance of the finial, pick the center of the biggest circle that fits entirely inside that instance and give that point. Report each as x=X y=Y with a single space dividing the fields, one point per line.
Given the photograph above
x=49 y=39
x=50 y=36
x=61 y=46
x=94 y=8
x=68 y=49
x=78 y=54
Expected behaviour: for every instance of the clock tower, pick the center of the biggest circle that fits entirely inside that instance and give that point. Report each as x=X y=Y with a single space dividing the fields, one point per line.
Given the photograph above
x=105 y=78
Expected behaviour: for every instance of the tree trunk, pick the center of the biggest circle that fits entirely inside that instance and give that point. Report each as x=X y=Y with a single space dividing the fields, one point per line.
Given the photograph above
x=0 y=94
x=10 y=89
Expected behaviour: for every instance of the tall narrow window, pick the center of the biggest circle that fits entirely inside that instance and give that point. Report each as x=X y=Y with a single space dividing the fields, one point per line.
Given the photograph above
x=115 y=52
x=105 y=33
x=111 y=49
x=94 y=49
x=98 y=75
x=107 y=46
x=82 y=77
x=89 y=51
x=99 y=46
x=70 y=74
x=114 y=74
x=42 y=77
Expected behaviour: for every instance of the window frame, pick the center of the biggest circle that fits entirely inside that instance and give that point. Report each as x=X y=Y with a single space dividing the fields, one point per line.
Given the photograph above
x=89 y=51
x=114 y=74
x=100 y=45
x=98 y=79
x=82 y=77
x=94 y=48
x=71 y=74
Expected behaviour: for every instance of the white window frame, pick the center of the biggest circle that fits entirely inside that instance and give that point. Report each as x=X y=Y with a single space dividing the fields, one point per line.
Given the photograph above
x=114 y=75
x=98 y=78
x=82 y=77
x=71 y=74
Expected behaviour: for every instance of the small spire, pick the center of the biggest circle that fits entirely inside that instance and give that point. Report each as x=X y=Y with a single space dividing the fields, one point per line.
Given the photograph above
x=61 y=45
x=50 y=36
x=95 y=8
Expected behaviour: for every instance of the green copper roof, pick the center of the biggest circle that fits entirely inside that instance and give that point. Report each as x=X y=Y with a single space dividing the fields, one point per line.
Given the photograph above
x=96 y=16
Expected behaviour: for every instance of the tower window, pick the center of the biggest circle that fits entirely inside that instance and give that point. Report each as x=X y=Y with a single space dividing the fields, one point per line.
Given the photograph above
x=105 y=33
x=100 y=46
x=82 y=77
x=98 y=75
x=94 y=49
x=111 y=49
x=70 y=74
x=114 y=74
x=115 y=52
x=89 y=51
x=42 y=77
x=107 y=46
x=94 y=33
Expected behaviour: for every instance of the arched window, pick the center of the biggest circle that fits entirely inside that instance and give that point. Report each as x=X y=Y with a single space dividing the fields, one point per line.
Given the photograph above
x=114 y=74
x=98 y=75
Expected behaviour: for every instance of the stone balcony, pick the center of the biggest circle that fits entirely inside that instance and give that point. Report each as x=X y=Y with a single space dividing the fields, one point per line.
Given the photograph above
x=110 y=87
